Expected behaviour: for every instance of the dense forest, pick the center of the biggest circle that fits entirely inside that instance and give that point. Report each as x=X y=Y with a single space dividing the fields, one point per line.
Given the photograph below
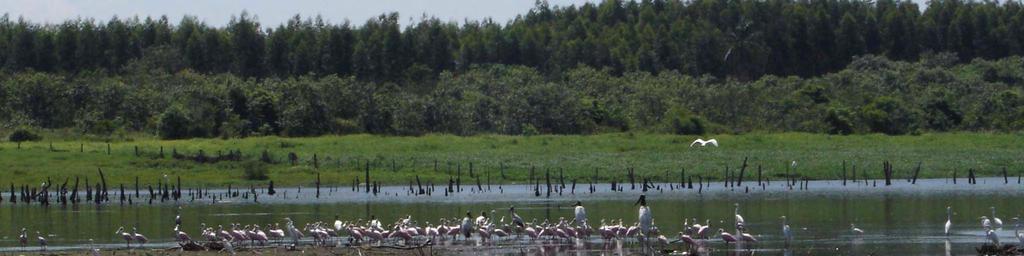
x=701 y=66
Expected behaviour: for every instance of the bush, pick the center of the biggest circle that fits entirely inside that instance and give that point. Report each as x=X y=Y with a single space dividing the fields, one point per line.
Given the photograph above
x=255 y=170
x=838 y=120
x=174 y=124
x=685 y=124
x=888 y=115
x=21 y=135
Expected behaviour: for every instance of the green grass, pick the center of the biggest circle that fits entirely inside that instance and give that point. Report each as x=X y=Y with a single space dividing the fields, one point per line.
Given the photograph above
x=661 y=157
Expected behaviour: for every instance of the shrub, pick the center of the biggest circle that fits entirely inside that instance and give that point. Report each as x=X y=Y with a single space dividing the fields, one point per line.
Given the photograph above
x=174 y=124
x=21 y=135
x=255 y=170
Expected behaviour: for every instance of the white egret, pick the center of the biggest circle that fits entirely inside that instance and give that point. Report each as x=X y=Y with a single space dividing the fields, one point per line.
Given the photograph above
x=703 y=143
x=996 y=222
x=740 y=224
x=42 y=241
x=949 y=219
x=338 y=225
x=787 y=233
x=855 y=230
x=1016 y=230
x=992 y=236
x=985 y=222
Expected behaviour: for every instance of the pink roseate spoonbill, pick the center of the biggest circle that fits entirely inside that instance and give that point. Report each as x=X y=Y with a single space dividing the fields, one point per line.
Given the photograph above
x=728 y=238
x=747 y=237
x=126 y=236
x=484 y=234
x=356 y=235
x=276 y=233
x=855 y=230
x=662 y=241
x=42 y=241
x=685 y=239
x=139 y=238
x=633 y=230
x=259 y=235
x=223 y=233
x=500 y=233
x=23 y=237
x=532 y=233
x=703 y=231
x=181 y=236
x=949 y=220
x=431 y=231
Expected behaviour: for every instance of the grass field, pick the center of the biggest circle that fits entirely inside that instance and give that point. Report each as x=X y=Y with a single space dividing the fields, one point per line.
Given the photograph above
x=398 y=160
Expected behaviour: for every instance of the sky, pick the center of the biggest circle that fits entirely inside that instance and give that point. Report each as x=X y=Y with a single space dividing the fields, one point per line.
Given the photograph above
x=271 y=13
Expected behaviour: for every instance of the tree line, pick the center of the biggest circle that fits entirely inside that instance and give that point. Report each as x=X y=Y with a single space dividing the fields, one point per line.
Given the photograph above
x=690 y=67
x=744 y=39
x=871 y=95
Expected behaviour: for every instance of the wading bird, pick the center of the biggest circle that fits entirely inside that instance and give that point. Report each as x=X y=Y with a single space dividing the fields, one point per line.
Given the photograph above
x=703 y=143
x=181 y=236
x=949 y=220
x=125 y=235
x=581 y=215
x=992 y=236
x=139 y=238
x=985 y=222
x=855 y=230
x=996 y=222
x=646 y=220
x=516 y=220
x=293 y=232
x=728 y=238
x=42 y=241
x=23 y=237
x=740 y=224
x=467 y=225
x=787 y=233
x=1016 y=230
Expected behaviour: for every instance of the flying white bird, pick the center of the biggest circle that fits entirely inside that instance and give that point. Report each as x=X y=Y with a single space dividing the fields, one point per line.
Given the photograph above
x=855 y=230
x=703 y=143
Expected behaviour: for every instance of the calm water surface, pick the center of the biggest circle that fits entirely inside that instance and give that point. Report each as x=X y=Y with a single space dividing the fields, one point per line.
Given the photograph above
x=901 y=219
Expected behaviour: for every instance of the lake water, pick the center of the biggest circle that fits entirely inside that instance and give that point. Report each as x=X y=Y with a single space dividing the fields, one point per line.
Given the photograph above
x=901 y=219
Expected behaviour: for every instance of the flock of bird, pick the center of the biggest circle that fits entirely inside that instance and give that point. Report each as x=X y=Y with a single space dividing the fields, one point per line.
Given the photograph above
x=408 y=232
